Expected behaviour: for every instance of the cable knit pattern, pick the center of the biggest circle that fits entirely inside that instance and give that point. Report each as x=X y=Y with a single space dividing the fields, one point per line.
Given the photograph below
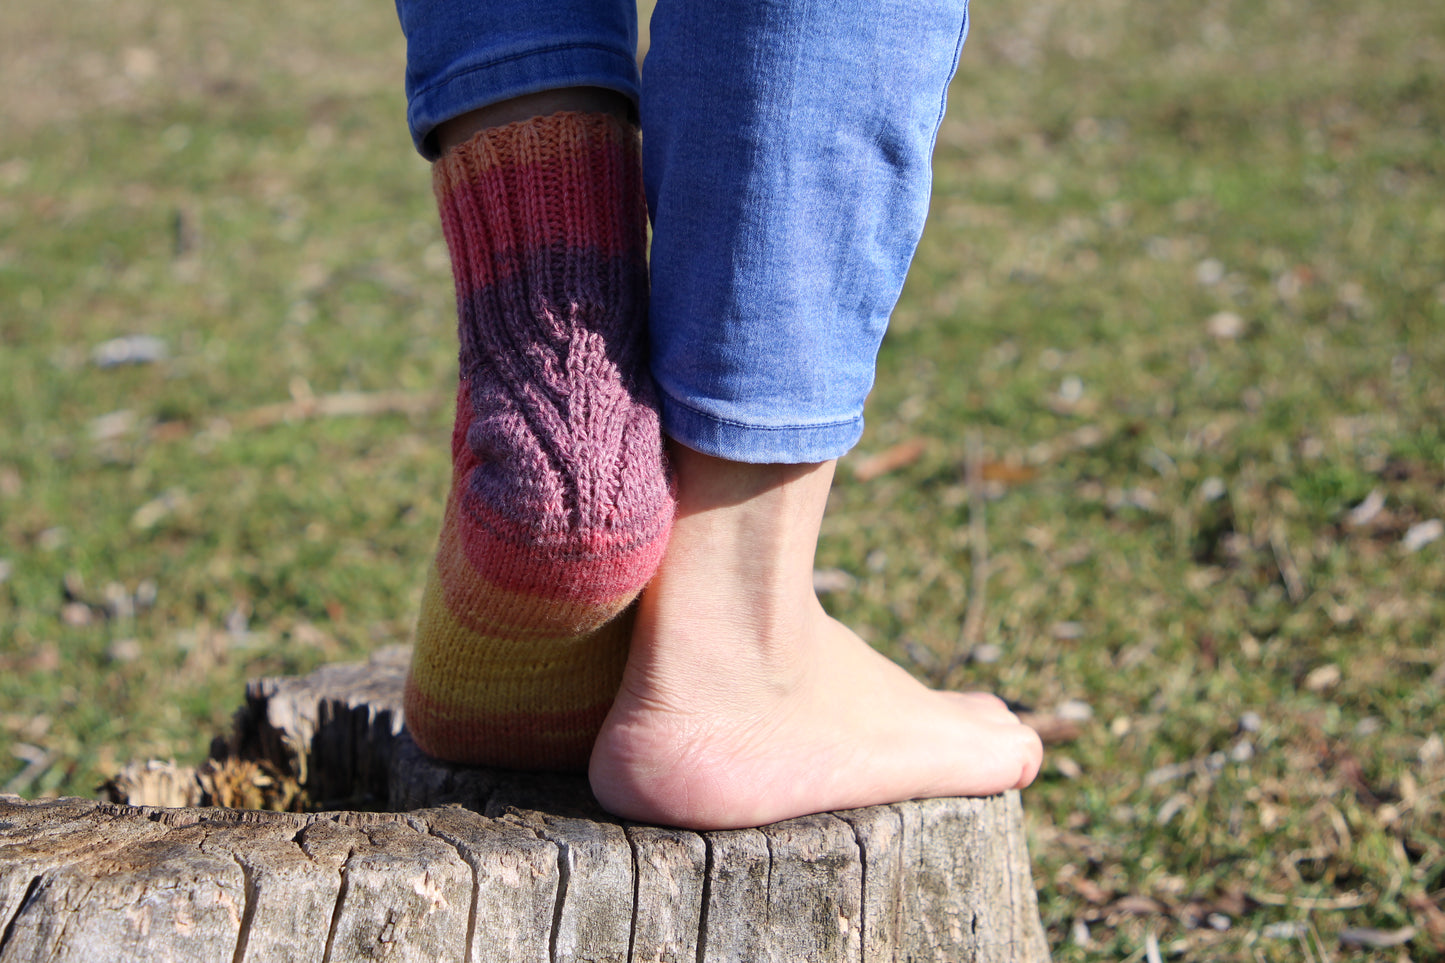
x=560 y=503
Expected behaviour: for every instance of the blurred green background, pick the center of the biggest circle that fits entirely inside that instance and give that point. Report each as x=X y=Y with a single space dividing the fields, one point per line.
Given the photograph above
x=1181 y=294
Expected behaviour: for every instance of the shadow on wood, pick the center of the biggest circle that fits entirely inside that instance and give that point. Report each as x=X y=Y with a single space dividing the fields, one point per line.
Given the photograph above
x=481 y=865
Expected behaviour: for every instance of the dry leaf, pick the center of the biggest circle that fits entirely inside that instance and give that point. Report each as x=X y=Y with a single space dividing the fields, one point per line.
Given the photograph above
x=889 y=459
x=1323 y=677
x=1006 y=473
x=1225 y=326
x=1089 y=890
x=1364 y=513
x=1052 y=730
x=1137 y=905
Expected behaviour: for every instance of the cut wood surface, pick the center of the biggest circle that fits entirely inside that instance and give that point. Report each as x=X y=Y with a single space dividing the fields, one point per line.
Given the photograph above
x=481 y=865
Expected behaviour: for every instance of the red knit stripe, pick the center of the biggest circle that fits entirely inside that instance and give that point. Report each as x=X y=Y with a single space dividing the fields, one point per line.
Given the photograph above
x=539 y=740
x=598 y=566
x=549 y=164
x=542 y=608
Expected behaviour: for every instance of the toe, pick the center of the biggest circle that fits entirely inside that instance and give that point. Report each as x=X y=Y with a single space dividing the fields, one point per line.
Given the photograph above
x=1031 y=750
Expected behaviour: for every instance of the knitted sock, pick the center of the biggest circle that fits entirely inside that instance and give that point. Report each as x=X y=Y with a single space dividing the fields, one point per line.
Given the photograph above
x=560 y=504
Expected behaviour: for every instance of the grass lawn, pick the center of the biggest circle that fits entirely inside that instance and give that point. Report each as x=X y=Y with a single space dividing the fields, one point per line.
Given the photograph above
x=1181 y=303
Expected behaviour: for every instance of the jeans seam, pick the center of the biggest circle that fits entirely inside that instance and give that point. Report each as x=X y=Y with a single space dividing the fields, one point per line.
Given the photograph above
x=716 y=419
x=552 y=48
x=952 y=72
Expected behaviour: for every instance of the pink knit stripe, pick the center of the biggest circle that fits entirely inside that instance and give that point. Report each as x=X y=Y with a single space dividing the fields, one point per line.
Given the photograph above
x=566 y=182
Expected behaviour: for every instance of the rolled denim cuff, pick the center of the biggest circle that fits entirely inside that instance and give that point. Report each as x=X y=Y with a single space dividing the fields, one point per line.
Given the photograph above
x=507 y=74
x=758 y=444
x=462 y=54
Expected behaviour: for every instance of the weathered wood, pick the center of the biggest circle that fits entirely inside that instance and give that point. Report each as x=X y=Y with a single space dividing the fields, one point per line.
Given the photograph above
x=347 y=716
x=482 y=865
x=593 y=921
x=515 y=876
x=671 y=872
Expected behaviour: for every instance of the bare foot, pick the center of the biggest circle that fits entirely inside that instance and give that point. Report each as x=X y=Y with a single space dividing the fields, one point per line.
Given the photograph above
x=744 y=703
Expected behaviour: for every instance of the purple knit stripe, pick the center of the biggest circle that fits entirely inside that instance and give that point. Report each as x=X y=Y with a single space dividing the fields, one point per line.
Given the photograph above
x=515 y=308
x=565 y=428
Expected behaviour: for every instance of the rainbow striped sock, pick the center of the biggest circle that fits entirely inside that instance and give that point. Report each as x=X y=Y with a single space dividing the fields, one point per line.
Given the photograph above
x=561 y=503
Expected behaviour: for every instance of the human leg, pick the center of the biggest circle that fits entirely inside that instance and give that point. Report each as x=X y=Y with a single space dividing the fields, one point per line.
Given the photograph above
x=560 y=502
x=787 y=203
x=743 y=703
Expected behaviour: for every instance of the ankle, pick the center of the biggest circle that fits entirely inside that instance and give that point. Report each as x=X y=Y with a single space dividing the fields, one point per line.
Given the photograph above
x=714 y=481
x=589 y=100
x=741 y=557
x=759 y=522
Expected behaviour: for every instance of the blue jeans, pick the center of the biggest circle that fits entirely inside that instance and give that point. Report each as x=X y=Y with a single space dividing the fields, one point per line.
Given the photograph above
x=786 y=152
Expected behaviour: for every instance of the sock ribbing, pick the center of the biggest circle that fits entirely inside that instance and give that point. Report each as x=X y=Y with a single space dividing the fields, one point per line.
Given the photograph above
x=560 y=503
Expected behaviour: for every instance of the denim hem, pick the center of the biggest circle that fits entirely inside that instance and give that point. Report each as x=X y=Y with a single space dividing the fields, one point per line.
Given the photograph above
x=758 y=444
x=548 y=68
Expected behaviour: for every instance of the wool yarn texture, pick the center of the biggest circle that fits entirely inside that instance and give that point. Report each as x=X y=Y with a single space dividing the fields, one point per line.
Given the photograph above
x=561 y=501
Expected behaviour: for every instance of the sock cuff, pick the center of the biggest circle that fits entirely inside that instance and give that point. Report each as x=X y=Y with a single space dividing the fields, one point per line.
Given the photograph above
x=565 y=182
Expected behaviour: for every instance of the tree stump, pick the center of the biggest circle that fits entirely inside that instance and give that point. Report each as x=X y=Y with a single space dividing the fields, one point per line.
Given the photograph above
x=475 y=865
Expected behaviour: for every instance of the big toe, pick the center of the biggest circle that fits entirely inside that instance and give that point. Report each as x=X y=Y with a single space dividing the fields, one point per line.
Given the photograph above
x=1030 y=749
